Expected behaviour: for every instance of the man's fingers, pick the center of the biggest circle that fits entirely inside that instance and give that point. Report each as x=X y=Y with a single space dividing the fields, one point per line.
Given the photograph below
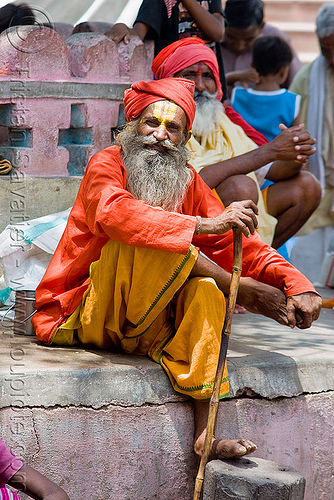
x=291 y=314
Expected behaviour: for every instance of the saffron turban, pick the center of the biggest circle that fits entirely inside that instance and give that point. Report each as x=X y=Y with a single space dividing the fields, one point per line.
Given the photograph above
x=183 y=53
x=142 y=94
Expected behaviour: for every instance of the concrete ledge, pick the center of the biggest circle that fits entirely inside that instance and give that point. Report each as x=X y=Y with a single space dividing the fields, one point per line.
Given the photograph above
x=252 y=479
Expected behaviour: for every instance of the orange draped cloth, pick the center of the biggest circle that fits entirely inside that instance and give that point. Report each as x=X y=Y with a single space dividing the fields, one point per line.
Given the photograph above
x=105 y=210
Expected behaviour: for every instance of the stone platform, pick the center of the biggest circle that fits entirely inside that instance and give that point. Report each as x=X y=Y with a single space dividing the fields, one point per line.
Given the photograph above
x=109 y=426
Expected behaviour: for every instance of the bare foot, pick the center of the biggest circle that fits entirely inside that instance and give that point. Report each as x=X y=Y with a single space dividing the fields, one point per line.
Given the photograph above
x=238 y=309
x=231 y=448
x=225 y=448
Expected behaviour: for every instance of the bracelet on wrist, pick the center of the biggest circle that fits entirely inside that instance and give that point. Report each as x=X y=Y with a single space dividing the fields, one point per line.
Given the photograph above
x=198 y=225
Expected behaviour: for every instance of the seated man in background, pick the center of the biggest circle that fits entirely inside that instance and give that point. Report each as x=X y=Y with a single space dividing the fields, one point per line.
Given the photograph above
x=315 y=84
x=244 y=23
x=218 y=147
x=127 y=273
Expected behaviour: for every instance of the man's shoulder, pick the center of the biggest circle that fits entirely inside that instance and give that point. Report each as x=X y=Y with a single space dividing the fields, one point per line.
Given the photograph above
x=108 y=157
x=109 y=152
x=269 y=30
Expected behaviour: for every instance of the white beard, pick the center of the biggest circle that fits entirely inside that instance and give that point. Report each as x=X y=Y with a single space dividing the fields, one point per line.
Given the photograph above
x=161 y=179
x=207 y=113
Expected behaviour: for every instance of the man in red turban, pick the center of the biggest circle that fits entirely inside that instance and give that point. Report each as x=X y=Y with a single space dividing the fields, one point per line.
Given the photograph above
x=127 y=273
x=293 y=194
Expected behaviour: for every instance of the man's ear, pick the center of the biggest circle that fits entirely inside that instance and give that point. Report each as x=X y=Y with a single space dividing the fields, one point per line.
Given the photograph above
x=187 y=136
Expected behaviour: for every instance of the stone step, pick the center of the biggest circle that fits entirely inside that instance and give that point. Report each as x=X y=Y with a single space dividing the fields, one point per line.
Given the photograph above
x=296 y=10
x=252 y=479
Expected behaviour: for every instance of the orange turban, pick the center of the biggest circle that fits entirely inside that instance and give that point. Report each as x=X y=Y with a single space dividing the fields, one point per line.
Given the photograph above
x=183 y=53
x=142 y=94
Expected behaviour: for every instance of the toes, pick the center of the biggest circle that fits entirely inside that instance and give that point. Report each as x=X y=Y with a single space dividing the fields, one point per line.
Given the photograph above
x=246 y=446
x=231 y=448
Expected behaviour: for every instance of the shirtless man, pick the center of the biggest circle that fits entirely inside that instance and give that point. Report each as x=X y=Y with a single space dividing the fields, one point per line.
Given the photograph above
x=218 y=146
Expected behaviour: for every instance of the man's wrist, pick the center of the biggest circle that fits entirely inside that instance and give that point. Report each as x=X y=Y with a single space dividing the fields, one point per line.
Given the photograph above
x=204 y=226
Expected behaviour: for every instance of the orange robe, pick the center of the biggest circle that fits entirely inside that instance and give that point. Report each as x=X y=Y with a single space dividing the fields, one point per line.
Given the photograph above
x=105 y=210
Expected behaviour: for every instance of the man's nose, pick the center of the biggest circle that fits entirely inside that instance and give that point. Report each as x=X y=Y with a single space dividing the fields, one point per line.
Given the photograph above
x=239 y=45
x=160 y=133
x=199 y=83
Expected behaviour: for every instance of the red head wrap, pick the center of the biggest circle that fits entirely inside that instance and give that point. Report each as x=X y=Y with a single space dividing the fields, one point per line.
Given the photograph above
x=183 y=53
x=142 y=94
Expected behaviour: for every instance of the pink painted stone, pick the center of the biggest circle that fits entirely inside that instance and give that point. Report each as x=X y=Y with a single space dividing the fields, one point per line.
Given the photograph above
x=35 y=53
x=93 y=57
x=135 y=59
x=44 y=117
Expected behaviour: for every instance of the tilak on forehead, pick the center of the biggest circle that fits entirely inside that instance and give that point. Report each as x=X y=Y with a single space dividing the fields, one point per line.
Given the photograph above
x=164 y=111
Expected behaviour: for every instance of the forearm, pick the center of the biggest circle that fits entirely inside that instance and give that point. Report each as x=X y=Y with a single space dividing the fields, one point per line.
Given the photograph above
x=211 y=25
x=207 y=268
x=140 y=29
x=281 y=170
x=214 y=174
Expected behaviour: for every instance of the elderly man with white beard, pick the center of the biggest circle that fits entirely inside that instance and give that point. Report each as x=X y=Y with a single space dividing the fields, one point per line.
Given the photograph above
x=127 y=274
x=223 y=154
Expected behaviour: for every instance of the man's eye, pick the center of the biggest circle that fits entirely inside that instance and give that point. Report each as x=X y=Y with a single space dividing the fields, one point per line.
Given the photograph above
x=208 y=76
x=152 y=123
x=190 y=76
x=173 y=128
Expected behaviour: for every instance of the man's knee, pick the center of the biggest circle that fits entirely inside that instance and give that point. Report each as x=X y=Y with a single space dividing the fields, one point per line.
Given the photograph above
x=237 y=188
x=203 y=290
x=306 y=191
x=310 y=188
x=302 y=191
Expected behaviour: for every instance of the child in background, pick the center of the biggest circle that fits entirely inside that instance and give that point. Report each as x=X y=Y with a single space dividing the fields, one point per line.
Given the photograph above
x=23 y=477
x=268 y=105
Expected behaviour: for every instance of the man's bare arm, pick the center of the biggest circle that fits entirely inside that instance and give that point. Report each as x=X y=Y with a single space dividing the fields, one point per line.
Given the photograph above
x=288 y=151
x=256 y=297
x=210 y=25
x=259 y=298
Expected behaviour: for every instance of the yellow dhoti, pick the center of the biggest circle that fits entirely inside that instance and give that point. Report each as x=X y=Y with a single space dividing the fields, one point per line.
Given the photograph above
x=142 y=301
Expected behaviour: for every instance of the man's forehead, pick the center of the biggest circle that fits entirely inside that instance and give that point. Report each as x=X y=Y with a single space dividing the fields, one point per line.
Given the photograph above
x=165 y=110
x=198 y=67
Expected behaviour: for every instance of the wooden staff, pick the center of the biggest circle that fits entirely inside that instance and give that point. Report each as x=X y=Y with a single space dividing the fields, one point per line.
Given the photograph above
x=214 y=401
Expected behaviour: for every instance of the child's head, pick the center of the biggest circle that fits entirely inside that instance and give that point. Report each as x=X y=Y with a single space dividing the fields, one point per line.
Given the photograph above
x=270 y=55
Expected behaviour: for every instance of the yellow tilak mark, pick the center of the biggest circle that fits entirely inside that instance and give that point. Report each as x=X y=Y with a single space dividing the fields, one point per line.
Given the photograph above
x=164 y=111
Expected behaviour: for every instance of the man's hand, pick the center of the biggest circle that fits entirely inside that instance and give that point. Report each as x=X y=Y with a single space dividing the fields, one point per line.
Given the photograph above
x=243 y=76
x=240 y=214
x=298 y=310
x=303 y=309
x=119 y=32
x=293 y=143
